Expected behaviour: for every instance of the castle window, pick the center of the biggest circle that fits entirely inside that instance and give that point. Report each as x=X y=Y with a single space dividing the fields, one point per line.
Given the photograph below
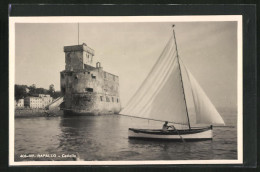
x=98 y=65
x=101 y=98
x=89 y=89
x=107 y=99
x=105 y=75
x=112 y=99
x=88 y=57
x=93 y=77
x=117 y=100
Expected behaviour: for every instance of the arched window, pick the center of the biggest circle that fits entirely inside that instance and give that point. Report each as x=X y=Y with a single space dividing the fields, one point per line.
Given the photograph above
x=98 y=65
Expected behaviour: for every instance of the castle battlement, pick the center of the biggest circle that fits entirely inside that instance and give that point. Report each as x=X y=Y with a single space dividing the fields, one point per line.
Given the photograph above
x=82 y=47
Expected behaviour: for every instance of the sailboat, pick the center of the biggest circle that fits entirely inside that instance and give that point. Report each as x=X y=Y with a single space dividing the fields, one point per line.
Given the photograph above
x=161 y=97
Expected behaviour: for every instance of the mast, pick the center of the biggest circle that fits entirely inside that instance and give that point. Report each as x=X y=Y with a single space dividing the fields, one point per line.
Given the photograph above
x=181 y=76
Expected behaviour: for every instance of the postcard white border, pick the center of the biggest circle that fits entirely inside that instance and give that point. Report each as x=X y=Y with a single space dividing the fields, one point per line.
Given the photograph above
x=109 y=19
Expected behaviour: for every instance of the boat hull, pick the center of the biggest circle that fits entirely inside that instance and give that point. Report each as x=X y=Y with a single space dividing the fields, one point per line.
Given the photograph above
x=192 y=134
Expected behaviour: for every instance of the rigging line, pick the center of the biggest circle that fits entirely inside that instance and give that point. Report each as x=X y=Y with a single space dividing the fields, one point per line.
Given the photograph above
x=153 y=119
x=140 y=118
x=159 y=120
x=181 y=77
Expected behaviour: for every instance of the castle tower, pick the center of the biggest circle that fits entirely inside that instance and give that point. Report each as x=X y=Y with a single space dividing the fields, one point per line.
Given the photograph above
x=78 y=56
x=86 y=87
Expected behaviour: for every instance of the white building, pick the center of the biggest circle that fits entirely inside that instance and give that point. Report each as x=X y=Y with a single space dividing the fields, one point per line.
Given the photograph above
x=38 y=102
x=46 y=99
x=20 y=103
x=33 y=102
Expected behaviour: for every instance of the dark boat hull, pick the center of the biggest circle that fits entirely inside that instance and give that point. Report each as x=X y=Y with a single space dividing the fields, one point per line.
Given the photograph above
x=192 y=134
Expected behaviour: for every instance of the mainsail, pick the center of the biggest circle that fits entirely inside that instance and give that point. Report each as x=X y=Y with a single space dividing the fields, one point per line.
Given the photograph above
x=161 y=94
x=206 y=112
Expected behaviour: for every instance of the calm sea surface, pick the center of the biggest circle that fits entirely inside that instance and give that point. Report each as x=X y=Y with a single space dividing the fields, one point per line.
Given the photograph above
x=106 y=138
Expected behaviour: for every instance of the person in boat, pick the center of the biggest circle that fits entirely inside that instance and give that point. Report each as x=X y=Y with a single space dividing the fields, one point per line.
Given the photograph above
x=166 y=126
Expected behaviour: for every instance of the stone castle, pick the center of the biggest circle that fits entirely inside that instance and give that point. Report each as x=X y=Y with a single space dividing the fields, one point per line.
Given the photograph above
x=87 y=88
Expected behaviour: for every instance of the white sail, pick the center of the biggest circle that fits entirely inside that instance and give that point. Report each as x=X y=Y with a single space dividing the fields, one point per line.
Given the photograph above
x=161 y=94
x=206 y=112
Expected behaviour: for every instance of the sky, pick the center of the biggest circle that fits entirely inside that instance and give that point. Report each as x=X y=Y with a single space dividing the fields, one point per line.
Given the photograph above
x=129 y=50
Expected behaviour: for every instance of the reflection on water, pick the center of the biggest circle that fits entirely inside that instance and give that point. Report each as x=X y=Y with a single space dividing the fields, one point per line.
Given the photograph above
x=106 y=138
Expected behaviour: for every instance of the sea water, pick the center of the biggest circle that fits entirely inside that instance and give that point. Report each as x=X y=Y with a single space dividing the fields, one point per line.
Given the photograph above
x=105 y=138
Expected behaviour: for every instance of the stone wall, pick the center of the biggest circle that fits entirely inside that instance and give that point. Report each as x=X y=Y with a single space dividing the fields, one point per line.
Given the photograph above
x=74 y=60
x=27 y=112
x=85 y=86
x=91 y=91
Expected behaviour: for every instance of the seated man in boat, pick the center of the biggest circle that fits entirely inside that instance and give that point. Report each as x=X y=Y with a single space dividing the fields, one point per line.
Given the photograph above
x=166 y=127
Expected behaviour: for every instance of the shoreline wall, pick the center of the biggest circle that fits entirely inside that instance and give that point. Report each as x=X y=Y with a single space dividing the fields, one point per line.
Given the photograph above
x=36 y=113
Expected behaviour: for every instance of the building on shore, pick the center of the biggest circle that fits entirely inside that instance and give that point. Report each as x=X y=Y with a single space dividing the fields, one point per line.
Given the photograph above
x=33 y=102
x=46 y=99
x=41 y=101
x=86 y=87
x=19 y=103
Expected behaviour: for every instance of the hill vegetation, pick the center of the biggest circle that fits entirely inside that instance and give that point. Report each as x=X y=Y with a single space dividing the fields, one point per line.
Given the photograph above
x=22 y=91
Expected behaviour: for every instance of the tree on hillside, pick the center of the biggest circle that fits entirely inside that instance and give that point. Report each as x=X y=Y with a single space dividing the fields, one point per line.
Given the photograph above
x=56 y=94
x=32 y=89
x=41 y=91
x=20 y=91
x=51 y=88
